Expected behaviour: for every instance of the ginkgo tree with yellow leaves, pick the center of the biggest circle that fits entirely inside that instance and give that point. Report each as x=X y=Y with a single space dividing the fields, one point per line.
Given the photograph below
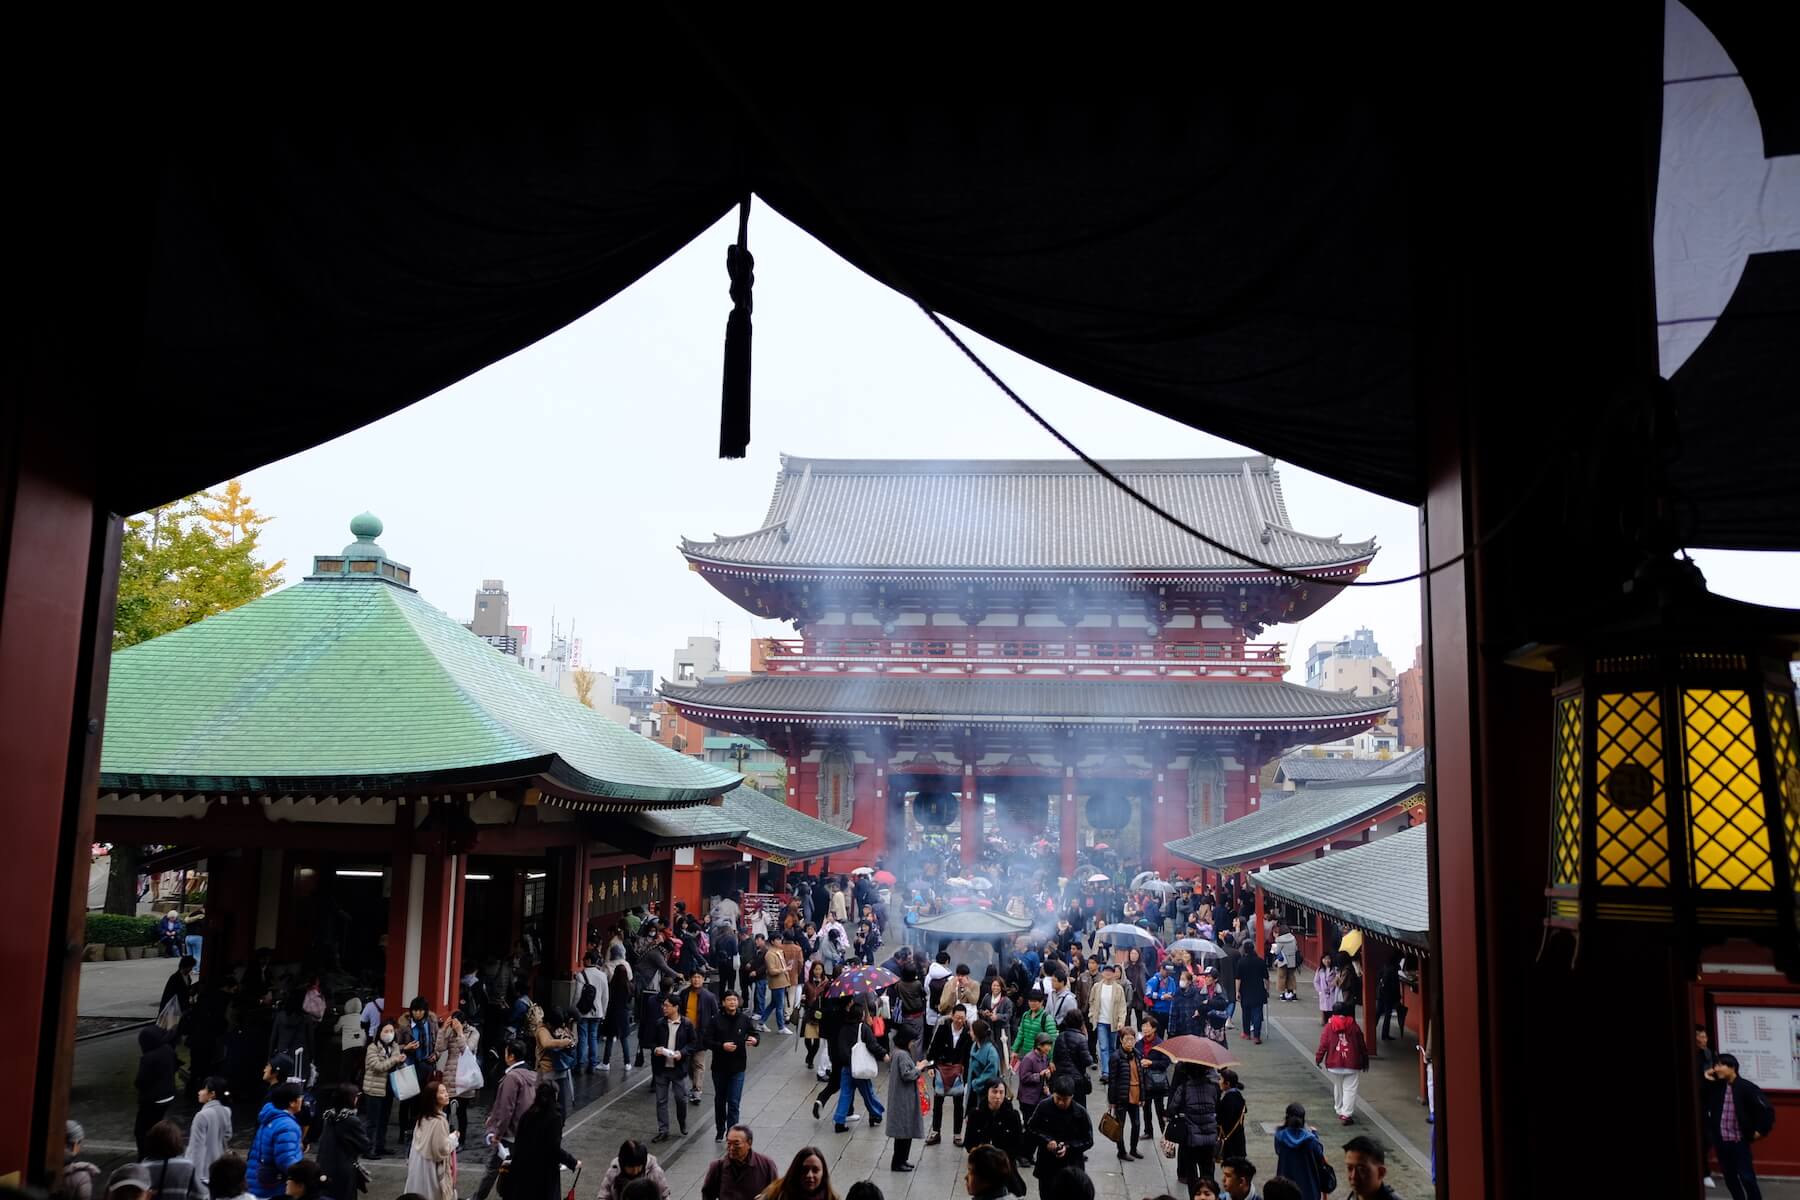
x=184 y=561
x=179 y=563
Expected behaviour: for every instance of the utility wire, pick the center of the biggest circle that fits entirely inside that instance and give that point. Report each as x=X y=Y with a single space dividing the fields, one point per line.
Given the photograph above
x=894 y=279
x=1100 y=469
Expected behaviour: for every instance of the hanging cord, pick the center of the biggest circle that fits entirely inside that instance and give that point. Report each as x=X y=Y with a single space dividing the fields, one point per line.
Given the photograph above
x=894 y=279
x=734 y=392
x=1287 y=573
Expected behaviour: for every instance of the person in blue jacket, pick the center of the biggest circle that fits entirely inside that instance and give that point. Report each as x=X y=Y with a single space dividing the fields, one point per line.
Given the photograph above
x=277 y=1143
x=1299 y=1154
x=1159 y=994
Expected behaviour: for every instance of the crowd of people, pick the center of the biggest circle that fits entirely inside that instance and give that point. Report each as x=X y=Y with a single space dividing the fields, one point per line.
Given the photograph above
x=1035 y=1052
x=1033 y=1056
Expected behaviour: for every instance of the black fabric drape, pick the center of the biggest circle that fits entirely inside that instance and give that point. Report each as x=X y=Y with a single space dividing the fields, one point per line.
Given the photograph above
x=1234 y=249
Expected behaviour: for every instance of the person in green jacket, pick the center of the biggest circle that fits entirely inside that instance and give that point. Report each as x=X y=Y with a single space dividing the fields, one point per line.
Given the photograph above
x=1031 y=1023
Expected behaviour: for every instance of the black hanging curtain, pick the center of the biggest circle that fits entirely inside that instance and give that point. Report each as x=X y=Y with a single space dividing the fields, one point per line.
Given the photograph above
x=1236 y=253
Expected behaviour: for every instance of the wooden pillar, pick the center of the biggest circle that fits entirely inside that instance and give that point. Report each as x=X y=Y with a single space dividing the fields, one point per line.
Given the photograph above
x=1368 y=996
x=400 y=884
x=685 y=879
x=1066 y=817
x=567 y=935
x=434 y=932
x=972 y=832
x=459 y=898
x=1482 y=440
x=1256 y=931
x=59 y=553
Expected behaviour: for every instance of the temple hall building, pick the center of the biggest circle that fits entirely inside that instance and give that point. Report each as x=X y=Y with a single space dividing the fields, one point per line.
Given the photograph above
x=1023 y=637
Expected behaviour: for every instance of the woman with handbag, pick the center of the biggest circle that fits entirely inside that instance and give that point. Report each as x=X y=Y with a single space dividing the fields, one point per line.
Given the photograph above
x=812 y=1008
x=949 y=1057
x=1157 y=1070
x=1126 y=1092
x=381 y=1059
x=431 y=1162
x=905 y=1099
x=1194 y=1106
x=865 y=1055
x=1232 y=1112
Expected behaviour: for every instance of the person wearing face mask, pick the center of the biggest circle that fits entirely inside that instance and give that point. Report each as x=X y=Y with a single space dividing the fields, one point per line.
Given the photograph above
x=633 y=1163
x=1186 y=1007
x=382 y=1056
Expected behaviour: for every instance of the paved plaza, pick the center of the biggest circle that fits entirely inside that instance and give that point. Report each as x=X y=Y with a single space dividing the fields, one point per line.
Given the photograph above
x=778 y=1095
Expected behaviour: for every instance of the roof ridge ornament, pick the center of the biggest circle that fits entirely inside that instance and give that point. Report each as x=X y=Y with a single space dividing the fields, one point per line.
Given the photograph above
x=363 y=558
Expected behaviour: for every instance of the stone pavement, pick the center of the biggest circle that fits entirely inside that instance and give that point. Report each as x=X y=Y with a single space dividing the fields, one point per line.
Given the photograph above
x=777 y=1103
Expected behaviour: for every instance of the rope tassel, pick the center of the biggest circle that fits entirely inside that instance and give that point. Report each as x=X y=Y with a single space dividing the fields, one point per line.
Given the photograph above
x=734 y=395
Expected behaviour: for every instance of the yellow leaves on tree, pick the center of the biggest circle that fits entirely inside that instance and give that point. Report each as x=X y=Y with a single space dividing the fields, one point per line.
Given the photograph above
x=184 y=561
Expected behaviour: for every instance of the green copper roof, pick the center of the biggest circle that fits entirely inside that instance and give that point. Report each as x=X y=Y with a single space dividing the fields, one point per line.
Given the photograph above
x=356 y=685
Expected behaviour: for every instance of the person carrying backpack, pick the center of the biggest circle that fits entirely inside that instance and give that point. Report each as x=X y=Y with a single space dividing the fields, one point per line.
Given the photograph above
x=1345 y=1056
x=725 y=959
x=590 y=1009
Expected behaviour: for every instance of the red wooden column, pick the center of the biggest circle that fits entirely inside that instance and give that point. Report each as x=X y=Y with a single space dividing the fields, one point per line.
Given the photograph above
x=972 y=832
x=1256 y=931
x=459 y=901
x=434 y=929
x=400 y=876
x=1368 y=996
x=1066 y=818
x=58 y=576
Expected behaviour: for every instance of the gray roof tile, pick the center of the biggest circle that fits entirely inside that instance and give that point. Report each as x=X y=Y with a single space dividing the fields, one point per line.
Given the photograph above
x=746 y=818
x=924 y=697
x=1383 y=887
x=1292 y=820
x=1303 y=767
x=1045 y=515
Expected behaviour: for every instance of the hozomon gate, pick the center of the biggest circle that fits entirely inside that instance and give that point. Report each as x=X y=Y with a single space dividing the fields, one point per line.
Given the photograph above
x=1022 y=630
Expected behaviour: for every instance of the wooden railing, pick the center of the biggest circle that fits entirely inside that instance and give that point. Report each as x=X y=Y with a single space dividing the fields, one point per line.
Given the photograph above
x=1160 y=650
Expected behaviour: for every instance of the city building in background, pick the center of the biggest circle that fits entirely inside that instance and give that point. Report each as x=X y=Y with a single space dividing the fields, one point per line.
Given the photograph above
x=1354 y=665
x=1410 y=721
x=1022 y=639
x=492 y=620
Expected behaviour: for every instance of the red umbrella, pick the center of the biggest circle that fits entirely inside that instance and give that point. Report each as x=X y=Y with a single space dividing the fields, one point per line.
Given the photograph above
x=886 y=877
x=1203 y=1051
x=1101 y=846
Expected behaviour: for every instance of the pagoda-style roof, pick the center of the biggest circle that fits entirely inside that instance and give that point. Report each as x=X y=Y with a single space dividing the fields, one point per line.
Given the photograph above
x=353 y=684
x=775 y=829
x=1294 y=820
x=1022 y=515
x=1303 y=768
x=1224 y=703
x=1383 y=887
x=745 y=819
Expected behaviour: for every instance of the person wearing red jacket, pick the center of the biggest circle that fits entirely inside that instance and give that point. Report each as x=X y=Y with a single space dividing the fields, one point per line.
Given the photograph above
x=1345 y=1056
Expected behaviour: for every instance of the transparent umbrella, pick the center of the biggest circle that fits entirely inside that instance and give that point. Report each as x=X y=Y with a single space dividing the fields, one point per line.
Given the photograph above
x=1125 y=935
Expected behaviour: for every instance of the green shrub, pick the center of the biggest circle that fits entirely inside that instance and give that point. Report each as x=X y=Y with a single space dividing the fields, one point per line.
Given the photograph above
x=111 y=929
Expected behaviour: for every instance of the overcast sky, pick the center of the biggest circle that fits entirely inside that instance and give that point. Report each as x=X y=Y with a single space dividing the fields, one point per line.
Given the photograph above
x=571 y=469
